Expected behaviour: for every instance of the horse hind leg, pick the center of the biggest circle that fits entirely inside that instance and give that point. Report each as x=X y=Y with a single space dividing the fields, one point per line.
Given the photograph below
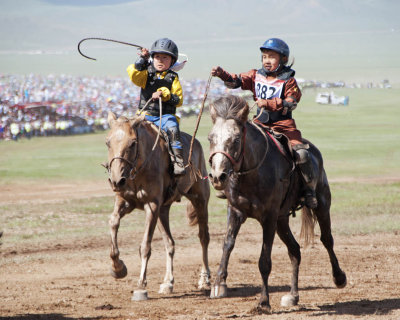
x=197 y=212
x=322 y=212
x=168 y=284
x=285 y=234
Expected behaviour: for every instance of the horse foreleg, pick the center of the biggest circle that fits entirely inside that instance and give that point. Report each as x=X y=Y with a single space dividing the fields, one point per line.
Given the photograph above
x=235 y=220
x=118 y=268
x=293 y=247
x=152 y=211
x=265 y=263
x=168 y=284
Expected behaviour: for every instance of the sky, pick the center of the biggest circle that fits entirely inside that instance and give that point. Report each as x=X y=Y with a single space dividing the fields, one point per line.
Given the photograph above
x=329 y=40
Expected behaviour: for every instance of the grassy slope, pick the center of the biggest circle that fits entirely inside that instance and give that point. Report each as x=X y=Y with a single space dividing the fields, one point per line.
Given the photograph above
x=359 y=141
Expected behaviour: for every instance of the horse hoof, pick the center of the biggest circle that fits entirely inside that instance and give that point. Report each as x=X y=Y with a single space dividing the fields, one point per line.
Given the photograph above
x=119 y=274
x=340 y=280
x=139 y=295
x=219 y=291
x=261 y=309
x=204 y=281
x=166 y=288
x=289 y=300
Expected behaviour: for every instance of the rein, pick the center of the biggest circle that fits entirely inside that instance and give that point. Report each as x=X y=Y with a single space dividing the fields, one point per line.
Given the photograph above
x=198 y=174
x=133 y=164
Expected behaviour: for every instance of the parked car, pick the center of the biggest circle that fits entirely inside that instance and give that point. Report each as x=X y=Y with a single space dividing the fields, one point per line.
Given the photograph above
x=331 y=98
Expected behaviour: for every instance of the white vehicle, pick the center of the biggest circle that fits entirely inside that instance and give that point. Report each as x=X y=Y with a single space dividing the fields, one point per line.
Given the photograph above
x=331 y=98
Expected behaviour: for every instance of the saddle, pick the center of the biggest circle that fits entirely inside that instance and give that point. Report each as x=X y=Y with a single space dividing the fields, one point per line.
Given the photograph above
x=280 y=140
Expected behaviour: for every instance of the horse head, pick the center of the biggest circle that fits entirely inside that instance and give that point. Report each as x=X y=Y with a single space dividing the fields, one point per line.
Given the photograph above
x=227 y=138
x=122 y=144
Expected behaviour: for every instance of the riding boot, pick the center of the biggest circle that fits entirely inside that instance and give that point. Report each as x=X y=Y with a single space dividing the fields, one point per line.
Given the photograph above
x=306 y=168
x=174 y=136
x=179 y=167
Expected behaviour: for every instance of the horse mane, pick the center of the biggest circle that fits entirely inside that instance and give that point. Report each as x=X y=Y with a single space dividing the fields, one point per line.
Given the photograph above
x=230 y=107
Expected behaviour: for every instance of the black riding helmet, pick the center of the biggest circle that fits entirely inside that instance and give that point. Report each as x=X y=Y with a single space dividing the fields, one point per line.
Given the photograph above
x=166 y=46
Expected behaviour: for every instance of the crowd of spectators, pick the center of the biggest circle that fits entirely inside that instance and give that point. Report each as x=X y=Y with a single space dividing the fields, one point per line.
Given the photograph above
x=34 y=105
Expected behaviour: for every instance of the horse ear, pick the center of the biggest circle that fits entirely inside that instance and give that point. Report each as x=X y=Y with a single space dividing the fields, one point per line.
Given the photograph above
x=111 y=118
x=243 y=114
x=213 y=113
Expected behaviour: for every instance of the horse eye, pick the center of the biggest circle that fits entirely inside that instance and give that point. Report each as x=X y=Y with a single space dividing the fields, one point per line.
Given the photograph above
x=209 y=138
x=237 y=141
x=132 y=143
x=108 y=143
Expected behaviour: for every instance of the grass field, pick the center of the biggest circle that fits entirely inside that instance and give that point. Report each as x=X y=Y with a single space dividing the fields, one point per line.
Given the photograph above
x=360 y=144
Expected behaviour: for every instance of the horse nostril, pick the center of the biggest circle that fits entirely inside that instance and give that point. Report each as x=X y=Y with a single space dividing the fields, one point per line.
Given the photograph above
x=223 y=176
x=121 y=182
x=210 y=175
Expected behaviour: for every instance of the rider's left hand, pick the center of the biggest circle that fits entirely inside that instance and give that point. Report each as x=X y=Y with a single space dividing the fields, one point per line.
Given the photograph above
x=156 y=95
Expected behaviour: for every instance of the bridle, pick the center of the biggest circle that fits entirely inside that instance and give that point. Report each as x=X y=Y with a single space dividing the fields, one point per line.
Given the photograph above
x=133 y=173
x=236 y=164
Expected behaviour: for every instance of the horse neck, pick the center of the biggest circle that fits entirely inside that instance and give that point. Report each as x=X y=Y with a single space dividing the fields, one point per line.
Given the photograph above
x=257 y=145
x=147 y=137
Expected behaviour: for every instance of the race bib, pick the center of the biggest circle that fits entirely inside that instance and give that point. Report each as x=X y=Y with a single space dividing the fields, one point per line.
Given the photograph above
x=268 y=89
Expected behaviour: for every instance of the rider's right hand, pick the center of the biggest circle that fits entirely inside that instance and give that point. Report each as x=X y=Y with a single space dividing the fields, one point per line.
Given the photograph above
x=216 y=71
x=144 y=53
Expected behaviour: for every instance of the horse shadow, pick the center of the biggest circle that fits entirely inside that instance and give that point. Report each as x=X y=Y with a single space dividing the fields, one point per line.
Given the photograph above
x=50 y=316
x=364 y=307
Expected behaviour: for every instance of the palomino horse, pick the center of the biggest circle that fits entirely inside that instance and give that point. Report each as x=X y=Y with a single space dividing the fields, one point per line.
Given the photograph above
x=140 y=176
x=261 y=183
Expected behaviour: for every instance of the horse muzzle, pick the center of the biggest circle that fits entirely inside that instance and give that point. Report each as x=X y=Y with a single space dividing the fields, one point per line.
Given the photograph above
x=219 y=179
x=118 y=184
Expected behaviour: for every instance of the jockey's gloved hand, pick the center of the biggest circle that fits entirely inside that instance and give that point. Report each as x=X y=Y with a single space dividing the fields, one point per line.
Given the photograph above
x=156 y=95
x=288 y=106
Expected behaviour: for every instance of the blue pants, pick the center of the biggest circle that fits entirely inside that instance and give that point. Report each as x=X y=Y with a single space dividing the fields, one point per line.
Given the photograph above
x=168 y=123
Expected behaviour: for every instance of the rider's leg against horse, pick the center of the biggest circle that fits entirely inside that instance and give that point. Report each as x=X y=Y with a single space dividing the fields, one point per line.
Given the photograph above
x=304 y=163
x=176 y=146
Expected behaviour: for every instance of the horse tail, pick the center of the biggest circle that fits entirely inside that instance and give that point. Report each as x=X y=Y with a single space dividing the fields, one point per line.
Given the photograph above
x=308 y=221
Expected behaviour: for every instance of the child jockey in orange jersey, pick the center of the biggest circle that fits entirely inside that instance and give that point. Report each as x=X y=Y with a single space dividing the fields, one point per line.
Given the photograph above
x=276 y=92
x=156 y=79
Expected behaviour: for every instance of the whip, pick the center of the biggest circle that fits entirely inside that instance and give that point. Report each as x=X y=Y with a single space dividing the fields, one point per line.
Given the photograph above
x=103 y=39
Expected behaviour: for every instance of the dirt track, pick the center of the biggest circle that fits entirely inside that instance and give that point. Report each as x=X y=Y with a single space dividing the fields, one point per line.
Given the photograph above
x=69 y=278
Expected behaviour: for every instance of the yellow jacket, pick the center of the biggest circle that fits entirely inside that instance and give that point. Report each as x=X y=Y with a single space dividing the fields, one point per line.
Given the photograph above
x=140 y=78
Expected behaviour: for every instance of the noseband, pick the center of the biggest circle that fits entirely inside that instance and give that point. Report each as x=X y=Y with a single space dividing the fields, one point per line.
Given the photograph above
x=236 y=164
x=132 y=164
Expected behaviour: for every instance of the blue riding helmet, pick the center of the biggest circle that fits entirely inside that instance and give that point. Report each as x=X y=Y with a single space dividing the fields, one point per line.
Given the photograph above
x=276 y=45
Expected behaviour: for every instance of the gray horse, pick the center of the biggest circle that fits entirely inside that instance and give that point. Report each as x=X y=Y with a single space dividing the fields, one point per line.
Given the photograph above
x=140 y=175
x=260 y=182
